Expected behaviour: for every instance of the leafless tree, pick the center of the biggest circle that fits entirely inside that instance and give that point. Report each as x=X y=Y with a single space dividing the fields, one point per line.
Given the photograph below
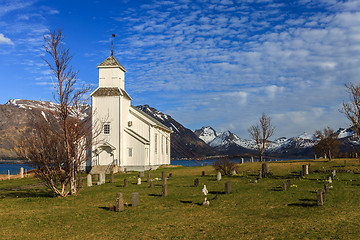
x=328 y=142
x=260 y=133
x=57 y=150
x=352 y=108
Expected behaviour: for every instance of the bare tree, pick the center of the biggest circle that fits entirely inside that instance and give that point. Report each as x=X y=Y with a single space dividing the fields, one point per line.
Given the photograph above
x=261 y=133
x=328 y=142
x=57 y=150
x=352 y=108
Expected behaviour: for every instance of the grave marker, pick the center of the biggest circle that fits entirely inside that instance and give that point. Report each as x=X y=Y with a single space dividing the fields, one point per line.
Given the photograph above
x=203 y=173
x=148 y=177
x=218 y=176
x=141 y=174
x=320 y=200
x=164 y=190
x=233 y=172
x=242 y=160
x=125 y=182
x=228 y=187
x=139 y=181
x=119 y=206
x=22 y=172
x=344 y=163
x=196 y=182
x=151 y=184
x=135 y=199
x=284 y=186
x=89 y=180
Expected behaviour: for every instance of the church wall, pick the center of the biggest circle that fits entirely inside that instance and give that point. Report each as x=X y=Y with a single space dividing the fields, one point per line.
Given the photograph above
x=137 y=157
x=139 y=126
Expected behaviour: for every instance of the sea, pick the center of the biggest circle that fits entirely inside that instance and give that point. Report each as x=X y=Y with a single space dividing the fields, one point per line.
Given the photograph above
x=14 y=168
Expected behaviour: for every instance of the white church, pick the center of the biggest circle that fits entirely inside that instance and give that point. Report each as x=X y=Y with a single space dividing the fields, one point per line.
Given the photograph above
x=129 y=138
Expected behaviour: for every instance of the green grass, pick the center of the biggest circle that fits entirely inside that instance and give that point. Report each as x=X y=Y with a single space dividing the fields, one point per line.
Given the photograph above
x=252 y=211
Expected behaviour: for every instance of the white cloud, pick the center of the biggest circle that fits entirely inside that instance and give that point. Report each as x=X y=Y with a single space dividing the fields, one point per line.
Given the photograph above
x=5 y=40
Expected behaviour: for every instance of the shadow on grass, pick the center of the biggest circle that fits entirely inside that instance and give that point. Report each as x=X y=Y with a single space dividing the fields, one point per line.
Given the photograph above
x=305 y=202
x=26 y=194
x=276 y=189
x=155 y=195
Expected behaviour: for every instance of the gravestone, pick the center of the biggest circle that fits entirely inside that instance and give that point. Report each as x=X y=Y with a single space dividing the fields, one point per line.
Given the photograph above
x=141 y=174
x=196 y=182
x=252 y=159
x=305 y=169
x=284 y=186
x=89 y=180
x=330 y=180
x=8 y=174
x=170 y=175
x=218 y=176
x=125 y=182
x=288 y=184
x=119 y=206
x=309 y=168
x=164 y=190
x=163 y=175
x=22 y=172
x=228 y=187
x=139 y=181
x=320 y=200
x=333 y=174
x=265 y=169
x=314 y=156
x=148 y=177
x=233 y=172
x=326 y=188
x=344 y=163
x=135 y=199
x=102 y=178
x=151 y=184
x=301 y=173
x=242 y=160
x=203 y=173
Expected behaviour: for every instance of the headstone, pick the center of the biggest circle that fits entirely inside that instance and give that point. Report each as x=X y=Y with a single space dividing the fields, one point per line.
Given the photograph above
x=139 y=181
x=148 y=177
x=333 y=174
x=135 y=199
x=252 y=159
x=203 y=173
x=306 y=169
x=288 y=184
x=102 y=178
x=119 y=206
x=206 y=202
x=163 y=175
x=309 y=168
x=218 y=176
x=170 y=175
x=125 y=182
x=233 y=172
x=89 y=180
x=141 y=174
x=344 y=163
x=22 y=172
x=151 y=184
x=301 y=173
x=330 y=180
x=242 y=160
x=320 y=200
x=326 y=188
x=164 y=190
x=284 y=186
x=228 y=187
x=8 y=174
x=314 y=156
x=196 y=182
x=264 y=169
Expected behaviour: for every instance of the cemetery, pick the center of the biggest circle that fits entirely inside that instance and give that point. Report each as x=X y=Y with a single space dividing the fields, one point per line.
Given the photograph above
x=303 y=199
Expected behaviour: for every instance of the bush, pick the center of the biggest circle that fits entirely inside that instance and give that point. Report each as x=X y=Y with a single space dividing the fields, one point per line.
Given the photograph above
x=224 y=166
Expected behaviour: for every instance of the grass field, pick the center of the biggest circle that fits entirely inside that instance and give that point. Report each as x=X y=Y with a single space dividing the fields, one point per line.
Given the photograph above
x=252 y=211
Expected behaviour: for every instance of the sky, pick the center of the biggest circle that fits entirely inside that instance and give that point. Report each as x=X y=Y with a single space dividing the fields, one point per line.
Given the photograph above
x=219 y=63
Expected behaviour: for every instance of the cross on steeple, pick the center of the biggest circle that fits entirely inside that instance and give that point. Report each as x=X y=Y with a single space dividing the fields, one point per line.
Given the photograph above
x=112 y=44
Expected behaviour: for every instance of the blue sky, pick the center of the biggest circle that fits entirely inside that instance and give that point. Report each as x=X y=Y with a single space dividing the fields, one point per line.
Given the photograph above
x=205 y=62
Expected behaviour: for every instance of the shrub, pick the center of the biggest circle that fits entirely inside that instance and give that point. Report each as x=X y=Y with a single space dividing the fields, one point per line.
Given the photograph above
x=224 y=166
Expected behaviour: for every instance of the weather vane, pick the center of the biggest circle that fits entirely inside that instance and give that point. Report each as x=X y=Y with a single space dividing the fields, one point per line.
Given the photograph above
x=112 y=44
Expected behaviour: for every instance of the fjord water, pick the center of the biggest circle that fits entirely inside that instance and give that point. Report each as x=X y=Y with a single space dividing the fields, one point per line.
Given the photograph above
x=13 y=167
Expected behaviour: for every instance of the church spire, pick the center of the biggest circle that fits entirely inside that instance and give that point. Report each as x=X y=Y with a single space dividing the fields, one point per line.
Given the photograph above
x=112 y=44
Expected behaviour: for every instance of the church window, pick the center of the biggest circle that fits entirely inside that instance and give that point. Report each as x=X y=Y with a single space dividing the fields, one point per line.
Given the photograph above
x=155 y=142
x=106 y=128
x=130 y=152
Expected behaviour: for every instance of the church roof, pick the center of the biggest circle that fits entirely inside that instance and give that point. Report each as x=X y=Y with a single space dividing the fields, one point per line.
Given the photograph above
x=111 y=61
x=110 y=91
x=159 y=124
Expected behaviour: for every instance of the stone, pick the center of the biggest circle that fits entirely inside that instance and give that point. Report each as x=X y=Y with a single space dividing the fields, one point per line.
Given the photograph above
x=344 y=163
x=148 y=177
x=203 y=173
x=228 y=187
x=135 y=199
x=206 y=202
x=163 y=175
x=301 y=173
x=309 y=168
x=170 y=175
x=125 y=182
x=218 y=176
x=330 y=180
x=265 y=170
x=196 y=182
x=141 y=174
x=284 y=186
x=252 y=159
x=233 y=172
x=102 y=178
x=314 y=156
x=151 y=184
x=242 y=160
x=288 y=184
x=320 y=200
x=119 y=205
x=164 y=191
x=139 y=181
x=305 y=169
x=22 y=172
